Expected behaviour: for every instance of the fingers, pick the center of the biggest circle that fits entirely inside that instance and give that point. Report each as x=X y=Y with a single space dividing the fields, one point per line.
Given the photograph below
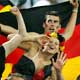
x=10 y=36
x=74 y=3
x=65 y=61
x=45 y=47
x=42 y=39
x=15 y=10
x=62 y=57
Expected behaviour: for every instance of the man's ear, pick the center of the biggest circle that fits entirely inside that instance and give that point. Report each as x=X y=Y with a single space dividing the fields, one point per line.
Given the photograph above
x=43 y=25
x=59 y=27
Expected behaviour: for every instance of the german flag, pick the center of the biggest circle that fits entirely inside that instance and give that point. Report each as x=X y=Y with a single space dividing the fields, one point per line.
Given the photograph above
x=72 y=47
x=5 y=6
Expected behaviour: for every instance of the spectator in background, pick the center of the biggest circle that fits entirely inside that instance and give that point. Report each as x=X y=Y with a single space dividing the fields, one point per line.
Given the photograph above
x=22 y=4
x=25 y=4
x=61 y=1
x=44 y=3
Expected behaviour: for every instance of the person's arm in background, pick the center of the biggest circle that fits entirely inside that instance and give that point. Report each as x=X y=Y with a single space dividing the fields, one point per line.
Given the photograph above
x=7 y=29
x=72 y=22
x=15 y=40
x=22 y=27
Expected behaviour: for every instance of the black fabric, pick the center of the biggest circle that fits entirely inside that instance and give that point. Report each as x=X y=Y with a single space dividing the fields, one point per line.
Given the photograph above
x=5 y=2
x=34 y=17
x=47 y=71
x=61 y=38
x=54 y=57
x=26 y=67
x=2 y=60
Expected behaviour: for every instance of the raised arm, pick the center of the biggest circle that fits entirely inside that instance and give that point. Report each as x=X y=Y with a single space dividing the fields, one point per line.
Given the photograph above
x=22 y=27
x=15 y=40
x=72 y=22
x=21 y=24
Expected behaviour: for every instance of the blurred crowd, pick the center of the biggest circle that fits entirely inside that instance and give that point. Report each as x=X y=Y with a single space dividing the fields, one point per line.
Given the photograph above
x=23 y=4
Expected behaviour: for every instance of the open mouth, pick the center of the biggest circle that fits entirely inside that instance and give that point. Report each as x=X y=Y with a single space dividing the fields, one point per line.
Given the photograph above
x=51 y=29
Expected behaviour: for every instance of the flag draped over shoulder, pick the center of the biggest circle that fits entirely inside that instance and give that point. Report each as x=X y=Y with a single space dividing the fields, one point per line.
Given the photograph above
x=33 y=19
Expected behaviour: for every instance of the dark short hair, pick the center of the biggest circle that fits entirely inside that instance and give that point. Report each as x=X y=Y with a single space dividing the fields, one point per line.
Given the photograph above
x=54 y=13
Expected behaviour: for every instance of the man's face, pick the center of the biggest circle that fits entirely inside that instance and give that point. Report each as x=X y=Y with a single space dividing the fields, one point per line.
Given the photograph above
x=52 y=24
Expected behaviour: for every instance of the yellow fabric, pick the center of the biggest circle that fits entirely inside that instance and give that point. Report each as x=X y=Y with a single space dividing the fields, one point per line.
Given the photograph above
x=7 y=71
x=62 y=48
x=71 y=69
x=5 y=9
x=54 y=34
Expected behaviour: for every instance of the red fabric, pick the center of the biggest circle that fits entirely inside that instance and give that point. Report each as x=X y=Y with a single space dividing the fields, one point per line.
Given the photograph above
x=48 y=34
x=72 y=46
x=61 y=30
x=2 y=39
x=39 y=75
x=1 y=6
x=15 y=56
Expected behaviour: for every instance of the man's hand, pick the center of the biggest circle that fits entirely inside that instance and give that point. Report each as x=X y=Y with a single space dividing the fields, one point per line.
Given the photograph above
x=74 y=3
x=15 y=10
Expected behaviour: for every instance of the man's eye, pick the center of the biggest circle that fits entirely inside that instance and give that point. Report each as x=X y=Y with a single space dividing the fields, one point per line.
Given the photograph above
x=55 y=21
x=50 y=20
